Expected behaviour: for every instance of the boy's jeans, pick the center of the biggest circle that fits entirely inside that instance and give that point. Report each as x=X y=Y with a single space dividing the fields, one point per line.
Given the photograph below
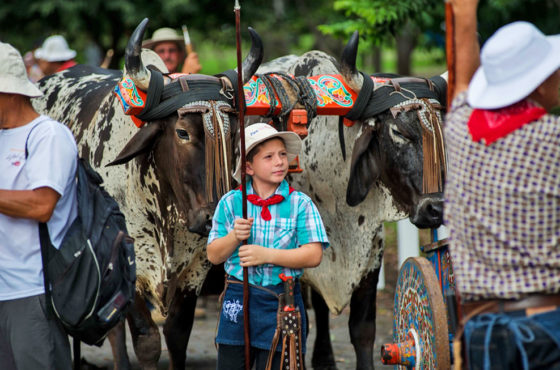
x=511 y=340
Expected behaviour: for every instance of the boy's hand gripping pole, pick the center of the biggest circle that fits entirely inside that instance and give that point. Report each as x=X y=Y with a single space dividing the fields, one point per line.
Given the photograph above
x=241 y=119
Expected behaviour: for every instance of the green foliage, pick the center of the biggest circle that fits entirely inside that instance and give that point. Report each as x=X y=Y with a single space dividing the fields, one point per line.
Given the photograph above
x=493 y=14
x=378 y=20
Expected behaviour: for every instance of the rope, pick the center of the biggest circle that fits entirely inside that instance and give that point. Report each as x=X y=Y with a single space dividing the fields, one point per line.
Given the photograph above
x=301 y=89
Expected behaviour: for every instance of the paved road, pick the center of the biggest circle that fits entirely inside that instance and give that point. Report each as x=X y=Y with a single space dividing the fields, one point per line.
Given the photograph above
x=201 y=354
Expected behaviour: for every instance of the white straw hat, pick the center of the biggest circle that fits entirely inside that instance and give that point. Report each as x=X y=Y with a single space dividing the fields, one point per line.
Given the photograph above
x=162 y=35
x=55 y=49
x=259 y=132
x=13 y=76
x=514 y=62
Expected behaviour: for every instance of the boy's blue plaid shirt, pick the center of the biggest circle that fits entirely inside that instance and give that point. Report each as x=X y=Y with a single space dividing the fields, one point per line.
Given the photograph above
x=295 y=221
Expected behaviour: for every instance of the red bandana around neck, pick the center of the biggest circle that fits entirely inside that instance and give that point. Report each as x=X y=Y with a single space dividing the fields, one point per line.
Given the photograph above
x=264 y=203
x=491 y=125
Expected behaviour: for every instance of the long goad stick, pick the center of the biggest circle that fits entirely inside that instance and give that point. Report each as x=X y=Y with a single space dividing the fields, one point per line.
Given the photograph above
x=450 y=50
x=187 y=39
x=451 y=60
x=241 y=119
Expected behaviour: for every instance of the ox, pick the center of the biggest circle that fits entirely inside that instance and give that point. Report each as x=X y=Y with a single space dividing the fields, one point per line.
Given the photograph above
x=166 y=186
x=382 y=182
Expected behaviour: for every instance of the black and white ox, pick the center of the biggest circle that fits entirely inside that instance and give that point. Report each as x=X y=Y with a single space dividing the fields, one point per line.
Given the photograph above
x=162 y=183
x=383 y=181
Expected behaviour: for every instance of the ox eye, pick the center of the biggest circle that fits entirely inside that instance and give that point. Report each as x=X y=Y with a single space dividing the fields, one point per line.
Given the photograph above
x=398 y=133
x=183 y=134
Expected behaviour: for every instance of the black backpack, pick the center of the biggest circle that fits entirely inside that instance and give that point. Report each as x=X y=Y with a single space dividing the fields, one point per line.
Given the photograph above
x=90 y=280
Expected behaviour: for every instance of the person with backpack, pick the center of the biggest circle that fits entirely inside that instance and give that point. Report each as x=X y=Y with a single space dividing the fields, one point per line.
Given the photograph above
x=37 y=185
x=285 y=234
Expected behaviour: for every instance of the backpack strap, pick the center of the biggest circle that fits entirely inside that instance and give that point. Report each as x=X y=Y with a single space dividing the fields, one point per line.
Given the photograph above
x=45 y=241
x=29 y=134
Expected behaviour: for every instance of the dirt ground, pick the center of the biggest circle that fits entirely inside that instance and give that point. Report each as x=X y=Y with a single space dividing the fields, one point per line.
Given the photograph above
x=201 y=353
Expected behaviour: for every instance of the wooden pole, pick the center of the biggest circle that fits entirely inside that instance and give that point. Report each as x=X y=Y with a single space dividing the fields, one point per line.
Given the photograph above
x=450 y=51
x=241 y=119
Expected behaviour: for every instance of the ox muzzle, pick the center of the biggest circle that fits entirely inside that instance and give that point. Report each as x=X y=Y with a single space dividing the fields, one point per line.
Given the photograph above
x=428 y=212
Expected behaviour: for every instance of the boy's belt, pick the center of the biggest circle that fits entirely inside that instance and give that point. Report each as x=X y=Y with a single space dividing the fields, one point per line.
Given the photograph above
x=532 y=304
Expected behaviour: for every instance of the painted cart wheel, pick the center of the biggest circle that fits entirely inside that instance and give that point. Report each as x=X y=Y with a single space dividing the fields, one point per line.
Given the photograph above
x=420 y=313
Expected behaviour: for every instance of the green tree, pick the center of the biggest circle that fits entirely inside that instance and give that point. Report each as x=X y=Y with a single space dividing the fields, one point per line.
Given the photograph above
x=285 y=25
x=402 y=23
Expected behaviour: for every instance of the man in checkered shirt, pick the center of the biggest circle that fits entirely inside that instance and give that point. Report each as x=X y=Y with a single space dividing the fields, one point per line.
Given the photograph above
x=503 y=193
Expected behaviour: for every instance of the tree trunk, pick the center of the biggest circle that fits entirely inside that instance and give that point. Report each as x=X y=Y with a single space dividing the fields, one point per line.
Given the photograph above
x=406 y=41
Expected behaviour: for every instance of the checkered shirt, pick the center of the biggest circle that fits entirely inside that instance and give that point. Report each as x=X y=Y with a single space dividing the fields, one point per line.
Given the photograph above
x=295 y=221
x=503 y=208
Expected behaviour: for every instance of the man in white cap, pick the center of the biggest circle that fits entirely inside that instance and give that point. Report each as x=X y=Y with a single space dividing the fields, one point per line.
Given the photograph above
x=38 y=161
x=171 y=49
x=55 y=55
x=503 y=194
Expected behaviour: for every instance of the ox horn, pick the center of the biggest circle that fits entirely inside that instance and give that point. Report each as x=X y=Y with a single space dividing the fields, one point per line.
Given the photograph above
x=348 y=63
x=254 y=58
x=251 y=62
x=133 y=62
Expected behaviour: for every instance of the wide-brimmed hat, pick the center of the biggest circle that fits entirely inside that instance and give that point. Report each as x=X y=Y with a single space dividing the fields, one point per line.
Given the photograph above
x=162 y=35
x=13 y=76
x=513 y=63
x=259 y=132
x=55 y=49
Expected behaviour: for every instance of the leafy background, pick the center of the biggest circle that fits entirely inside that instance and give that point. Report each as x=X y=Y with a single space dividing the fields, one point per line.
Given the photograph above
x=403 y=36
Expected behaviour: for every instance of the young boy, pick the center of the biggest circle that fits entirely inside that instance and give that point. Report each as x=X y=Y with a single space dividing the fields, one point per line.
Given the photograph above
x=284 y=233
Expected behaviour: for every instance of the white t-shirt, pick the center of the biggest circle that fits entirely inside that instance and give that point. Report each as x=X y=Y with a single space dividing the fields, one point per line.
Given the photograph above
x=51 y=162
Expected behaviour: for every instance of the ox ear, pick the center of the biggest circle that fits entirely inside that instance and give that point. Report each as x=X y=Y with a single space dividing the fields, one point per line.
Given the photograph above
x=364 y=169
x=140 y=143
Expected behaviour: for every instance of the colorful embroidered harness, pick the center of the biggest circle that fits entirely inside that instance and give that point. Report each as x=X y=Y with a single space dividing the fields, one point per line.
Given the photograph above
x=265 y=95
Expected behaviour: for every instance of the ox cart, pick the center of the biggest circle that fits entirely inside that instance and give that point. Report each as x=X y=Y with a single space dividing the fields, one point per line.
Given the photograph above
x=425 y=311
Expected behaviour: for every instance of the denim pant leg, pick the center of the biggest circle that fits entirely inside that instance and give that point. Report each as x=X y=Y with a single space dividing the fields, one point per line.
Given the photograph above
x=512 y=341
x=233 y=358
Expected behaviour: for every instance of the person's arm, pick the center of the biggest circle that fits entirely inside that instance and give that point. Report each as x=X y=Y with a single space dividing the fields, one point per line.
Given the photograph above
x=307 y=255
x=467 y=51
x=220 y=249
x=191 y=63
x=37 y=204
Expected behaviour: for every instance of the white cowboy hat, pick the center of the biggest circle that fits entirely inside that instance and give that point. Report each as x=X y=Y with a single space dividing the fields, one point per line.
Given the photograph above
x=55 y=49
x=13 y=76
x=162 y=35
x=513 y=63
x=259 y=132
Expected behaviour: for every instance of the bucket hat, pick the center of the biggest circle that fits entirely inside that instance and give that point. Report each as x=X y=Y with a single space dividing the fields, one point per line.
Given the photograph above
x=13 y=76
x=55 y=49
x=259 y=132
x=513 y=63
x=162 y=35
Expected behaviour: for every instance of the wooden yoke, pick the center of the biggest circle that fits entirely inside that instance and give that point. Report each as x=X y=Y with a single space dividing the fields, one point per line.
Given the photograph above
x=334 y=98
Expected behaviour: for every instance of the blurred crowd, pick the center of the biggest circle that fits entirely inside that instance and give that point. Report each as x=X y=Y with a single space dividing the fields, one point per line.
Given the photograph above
x=55 y=55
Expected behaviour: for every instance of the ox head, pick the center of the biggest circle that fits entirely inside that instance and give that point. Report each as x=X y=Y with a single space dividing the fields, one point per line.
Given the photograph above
x=395 y=148
x=188 y=133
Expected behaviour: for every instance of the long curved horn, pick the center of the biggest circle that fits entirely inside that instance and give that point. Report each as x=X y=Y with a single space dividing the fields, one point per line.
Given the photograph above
x=133 y=62
x=253 y=60
x=348 y=63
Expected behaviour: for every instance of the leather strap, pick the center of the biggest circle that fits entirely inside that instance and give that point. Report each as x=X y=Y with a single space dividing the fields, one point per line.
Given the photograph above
x=532 y=301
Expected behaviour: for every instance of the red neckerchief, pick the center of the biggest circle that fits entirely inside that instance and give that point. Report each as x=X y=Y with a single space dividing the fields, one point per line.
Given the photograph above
x=264 y=203
x=490 y=125
x=66 y=65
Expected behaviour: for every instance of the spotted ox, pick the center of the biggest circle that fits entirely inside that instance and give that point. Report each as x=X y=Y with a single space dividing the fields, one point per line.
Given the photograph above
x=383 y=181
x=163 y=180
